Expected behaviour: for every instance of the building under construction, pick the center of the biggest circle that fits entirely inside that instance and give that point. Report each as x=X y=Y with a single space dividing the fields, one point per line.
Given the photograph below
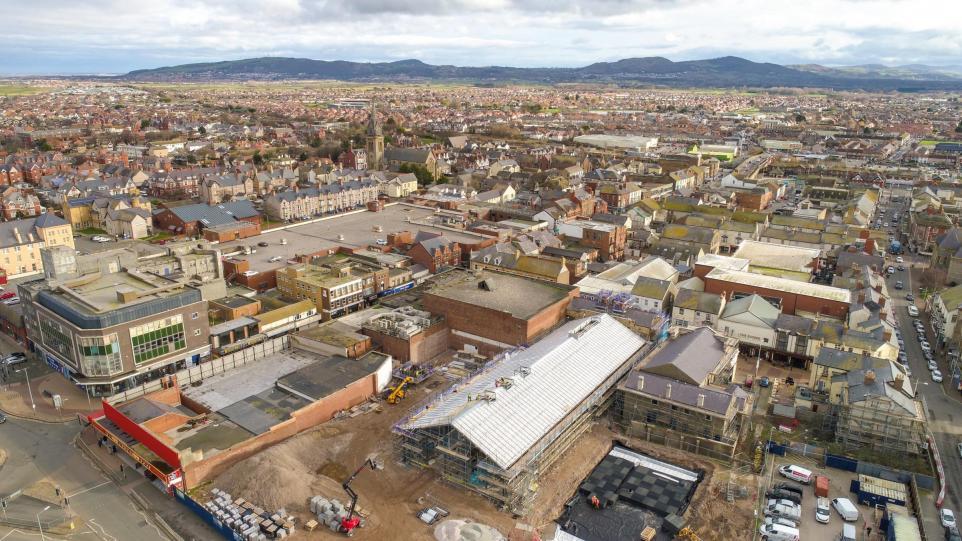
x=497 y=430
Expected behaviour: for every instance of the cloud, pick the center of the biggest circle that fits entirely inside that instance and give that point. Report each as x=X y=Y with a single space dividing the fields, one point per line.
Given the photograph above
x=118 y=35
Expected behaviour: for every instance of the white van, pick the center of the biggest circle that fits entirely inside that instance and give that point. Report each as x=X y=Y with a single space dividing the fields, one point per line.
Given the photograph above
x=796 y=473
x=848 y=533
x=778 y=532
x=846 y=509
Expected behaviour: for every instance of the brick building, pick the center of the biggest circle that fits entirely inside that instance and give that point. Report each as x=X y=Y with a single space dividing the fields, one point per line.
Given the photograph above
x=495 y=311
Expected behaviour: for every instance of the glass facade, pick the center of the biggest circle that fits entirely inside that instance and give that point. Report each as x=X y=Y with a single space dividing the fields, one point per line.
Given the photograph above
x=158 y=338
x=56 y=337
x=100 y=355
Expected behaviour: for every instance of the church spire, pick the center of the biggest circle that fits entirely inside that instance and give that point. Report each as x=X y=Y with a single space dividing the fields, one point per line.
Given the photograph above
x=373 y=126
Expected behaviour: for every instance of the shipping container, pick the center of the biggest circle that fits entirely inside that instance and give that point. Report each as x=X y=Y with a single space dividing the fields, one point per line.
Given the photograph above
x=873 y=491
x=821 y=486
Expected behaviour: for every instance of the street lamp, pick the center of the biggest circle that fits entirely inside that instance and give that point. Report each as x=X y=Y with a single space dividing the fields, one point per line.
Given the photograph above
x=40 y=526
x=29 y=390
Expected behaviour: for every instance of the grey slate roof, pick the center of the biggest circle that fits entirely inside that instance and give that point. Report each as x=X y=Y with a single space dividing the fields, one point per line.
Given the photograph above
x=684 y=393
x=224 y=213
x=689 y=357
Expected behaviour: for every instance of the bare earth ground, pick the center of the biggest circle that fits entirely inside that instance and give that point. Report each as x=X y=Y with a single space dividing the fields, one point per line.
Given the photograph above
x=317 y=462
x=287 y=475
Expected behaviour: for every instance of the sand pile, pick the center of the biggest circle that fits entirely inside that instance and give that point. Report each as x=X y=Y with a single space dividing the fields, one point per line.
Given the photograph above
x=291 y=471
x=459 y=530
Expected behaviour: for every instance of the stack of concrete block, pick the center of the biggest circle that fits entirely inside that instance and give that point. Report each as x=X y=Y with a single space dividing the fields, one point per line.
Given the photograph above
x=330 y=513
x=248 y=520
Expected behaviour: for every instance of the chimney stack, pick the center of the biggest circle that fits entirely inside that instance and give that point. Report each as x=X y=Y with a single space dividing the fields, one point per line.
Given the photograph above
x=899 y=381
x=701 y=401
x=869 y=377
x=668 y=390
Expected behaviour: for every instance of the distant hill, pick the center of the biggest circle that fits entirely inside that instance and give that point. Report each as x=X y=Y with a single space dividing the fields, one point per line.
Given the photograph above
x=914 y=72
x=725 y=72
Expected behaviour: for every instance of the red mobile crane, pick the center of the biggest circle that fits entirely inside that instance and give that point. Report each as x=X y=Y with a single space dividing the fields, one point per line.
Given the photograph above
x=353 y=521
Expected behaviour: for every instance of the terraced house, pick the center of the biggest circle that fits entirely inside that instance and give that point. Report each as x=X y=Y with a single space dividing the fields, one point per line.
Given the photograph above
x=297 y=204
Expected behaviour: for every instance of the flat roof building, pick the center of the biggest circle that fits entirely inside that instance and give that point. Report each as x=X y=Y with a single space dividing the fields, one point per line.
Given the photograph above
x=110 y=321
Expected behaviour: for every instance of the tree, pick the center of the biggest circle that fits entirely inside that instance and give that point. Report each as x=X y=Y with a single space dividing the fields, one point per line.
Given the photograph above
x=191 y=158
x=257 y=158
x=144 y=123
x=202 y=130
x=799 y=117
x=43 y=145
x=420 y=172
x=958 y=129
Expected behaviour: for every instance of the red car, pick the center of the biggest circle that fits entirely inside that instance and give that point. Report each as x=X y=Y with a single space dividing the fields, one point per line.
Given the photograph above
x=7 y=295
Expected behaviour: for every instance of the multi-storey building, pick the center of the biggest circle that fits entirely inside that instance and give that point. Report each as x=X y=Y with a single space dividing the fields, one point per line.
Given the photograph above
x=338 y=285
x=110 y=321
x=21 y=241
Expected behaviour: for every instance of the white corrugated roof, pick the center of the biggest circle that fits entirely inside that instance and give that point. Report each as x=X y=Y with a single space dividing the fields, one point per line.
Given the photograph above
x=781 y=284
x=565 y=368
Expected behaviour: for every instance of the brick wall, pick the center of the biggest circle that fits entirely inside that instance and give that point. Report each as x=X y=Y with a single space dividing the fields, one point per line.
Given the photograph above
x=303 y=419
x=791 y=302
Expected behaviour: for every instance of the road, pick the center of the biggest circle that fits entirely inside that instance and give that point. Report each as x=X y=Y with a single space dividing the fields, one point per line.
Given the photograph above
x=942 y=408
x=39 y=451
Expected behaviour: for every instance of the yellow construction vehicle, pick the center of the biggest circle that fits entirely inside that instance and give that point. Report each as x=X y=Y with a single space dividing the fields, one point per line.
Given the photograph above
x=397 y=393
x=687 y=533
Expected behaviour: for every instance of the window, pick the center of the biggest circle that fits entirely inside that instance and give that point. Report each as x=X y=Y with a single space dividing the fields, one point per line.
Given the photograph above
x=100 y=355
x=196 y=332
x=194 y=315
x=681 y=311
x=157 y=338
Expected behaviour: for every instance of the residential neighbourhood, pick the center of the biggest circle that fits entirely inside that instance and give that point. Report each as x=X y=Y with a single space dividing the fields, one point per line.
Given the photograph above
x=559 y=312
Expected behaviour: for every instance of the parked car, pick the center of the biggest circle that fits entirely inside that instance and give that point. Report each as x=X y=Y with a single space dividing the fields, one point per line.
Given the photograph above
x=778 y=532
x=262 y=244
x=899 y=285
x=947 y=518
x=910 y=297
x=250 y=273
x=381 y=242
x=822 y=511
x=764 y=381
x=3 y=418
x=7 y=294
x=913 y=311
x=959 y=447
x=784 y=495
x=899 y=259
x=791 y=487
x=275 y=259
x=937 y=376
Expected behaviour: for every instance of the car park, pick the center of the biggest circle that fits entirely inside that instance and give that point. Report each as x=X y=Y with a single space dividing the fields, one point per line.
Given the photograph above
x=822 y=511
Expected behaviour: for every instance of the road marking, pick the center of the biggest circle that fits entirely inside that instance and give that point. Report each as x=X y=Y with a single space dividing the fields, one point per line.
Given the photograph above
x=88 y=489
x=102 y=530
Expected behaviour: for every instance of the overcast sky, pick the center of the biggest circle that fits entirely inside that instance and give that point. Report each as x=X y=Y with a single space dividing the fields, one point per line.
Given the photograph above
x=115 y=36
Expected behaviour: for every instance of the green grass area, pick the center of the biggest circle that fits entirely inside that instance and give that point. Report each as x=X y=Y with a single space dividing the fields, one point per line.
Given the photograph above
x=158 y=235
x=21 y=90
x=92 y=231
x=932 y=142
x=267 y=223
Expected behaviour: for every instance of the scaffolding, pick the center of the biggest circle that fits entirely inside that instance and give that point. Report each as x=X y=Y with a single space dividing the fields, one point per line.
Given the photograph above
x=445 y=450
x=881 y=425
x=661 y=421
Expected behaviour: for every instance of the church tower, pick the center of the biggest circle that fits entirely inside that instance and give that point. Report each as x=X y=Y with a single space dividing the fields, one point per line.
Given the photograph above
x=374 y=140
